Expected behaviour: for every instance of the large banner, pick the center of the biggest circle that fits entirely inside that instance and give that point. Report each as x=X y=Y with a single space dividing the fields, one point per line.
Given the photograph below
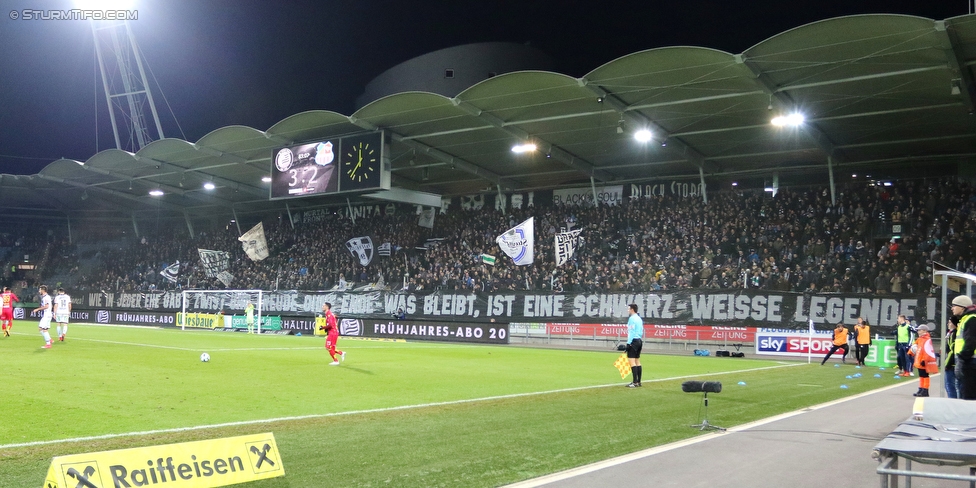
x=778 y=310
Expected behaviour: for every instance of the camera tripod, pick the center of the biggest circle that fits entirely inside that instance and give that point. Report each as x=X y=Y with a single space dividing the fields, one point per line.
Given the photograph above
x=705 y=425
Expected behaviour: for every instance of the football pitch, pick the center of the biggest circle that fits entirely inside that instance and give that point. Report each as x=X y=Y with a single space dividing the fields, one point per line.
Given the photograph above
x=393 y=414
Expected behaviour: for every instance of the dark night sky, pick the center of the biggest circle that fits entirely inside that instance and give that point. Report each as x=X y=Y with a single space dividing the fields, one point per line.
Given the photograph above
x=254 y=63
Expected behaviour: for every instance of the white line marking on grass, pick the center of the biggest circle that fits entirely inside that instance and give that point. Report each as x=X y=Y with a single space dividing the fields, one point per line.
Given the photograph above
x=135 y=344
x=597 y=466
x=367 y=411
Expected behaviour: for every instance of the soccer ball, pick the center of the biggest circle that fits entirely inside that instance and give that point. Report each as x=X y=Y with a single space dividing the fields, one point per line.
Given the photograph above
x=205 y=357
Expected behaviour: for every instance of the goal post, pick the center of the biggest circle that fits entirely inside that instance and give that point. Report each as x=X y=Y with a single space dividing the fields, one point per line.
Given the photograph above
x=200 y=308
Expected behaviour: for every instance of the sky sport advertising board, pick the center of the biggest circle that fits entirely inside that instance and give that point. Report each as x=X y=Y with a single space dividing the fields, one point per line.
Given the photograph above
x=681 y=332
x=792 y=343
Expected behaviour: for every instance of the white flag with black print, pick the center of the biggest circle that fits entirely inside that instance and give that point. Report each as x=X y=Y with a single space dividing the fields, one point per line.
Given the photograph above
x=385 y=249
x=361 y=249
x=566 y=245
x=225 y=278
x=214 y=261
x=518 y=242
x=255 y=245
x=171 y=272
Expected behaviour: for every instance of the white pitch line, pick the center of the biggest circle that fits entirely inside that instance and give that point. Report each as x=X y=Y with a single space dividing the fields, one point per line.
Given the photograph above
x=368 y=411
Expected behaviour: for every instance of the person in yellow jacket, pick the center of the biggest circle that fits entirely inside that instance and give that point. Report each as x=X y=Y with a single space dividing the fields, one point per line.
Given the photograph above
x=862 y=340
x=925 y=361
x=840 y=342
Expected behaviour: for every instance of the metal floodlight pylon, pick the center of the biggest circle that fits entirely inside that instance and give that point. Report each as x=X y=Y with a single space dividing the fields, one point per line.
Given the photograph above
x=127 y=92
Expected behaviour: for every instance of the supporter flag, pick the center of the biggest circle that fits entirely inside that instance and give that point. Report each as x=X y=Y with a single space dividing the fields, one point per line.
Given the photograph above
x=566 y=244
x=385 y=249
x=171 y=272
x=225 y=278
x=488 y=259
x=255 y=245
x=518 y=242
x=214 y=261
x=361 y=249
x=622 y=365
x=426 y=218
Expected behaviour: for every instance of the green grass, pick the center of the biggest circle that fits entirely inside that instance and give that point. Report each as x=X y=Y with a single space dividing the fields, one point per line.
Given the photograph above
x=112 y=380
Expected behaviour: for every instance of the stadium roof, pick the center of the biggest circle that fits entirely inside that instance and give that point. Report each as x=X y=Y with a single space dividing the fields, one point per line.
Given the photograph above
x=877 y=91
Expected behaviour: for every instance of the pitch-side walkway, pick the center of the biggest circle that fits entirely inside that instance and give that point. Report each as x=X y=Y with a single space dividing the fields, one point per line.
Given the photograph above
x=828 y=445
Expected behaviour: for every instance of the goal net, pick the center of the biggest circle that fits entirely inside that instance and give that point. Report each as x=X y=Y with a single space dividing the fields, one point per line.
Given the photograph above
x=212 y=309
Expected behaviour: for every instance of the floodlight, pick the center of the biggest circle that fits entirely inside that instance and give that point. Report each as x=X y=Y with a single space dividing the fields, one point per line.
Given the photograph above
x=156 y=193
x=792 y=120
x=735 y=183
x=642 y=135
x=521 y=148
x=209 y=186
x=266 y=179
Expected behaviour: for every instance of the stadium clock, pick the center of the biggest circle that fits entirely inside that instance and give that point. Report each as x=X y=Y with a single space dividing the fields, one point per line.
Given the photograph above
x=360 y=162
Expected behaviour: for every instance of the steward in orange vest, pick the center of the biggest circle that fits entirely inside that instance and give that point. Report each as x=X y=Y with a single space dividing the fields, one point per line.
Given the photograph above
x=925 y=361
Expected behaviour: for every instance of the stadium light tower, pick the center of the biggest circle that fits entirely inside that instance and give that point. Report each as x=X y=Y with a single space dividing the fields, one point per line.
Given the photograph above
x=124 y=80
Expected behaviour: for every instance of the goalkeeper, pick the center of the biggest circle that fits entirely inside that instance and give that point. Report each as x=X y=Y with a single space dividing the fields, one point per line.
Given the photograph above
x=249 y=317
x=332 y=334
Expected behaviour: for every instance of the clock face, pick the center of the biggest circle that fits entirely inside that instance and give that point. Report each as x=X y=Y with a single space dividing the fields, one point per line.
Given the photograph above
x=361 y=163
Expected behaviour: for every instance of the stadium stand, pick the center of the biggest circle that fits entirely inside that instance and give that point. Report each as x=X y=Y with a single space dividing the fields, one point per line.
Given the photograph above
x=793 y=241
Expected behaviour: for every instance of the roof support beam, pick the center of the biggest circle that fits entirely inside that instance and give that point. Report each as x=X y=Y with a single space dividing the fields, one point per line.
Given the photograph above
x=216 y=179
x=172 y=189
x=118 y=194
x=810 y=128
x=852 y=79
x=557 y=153
x=640 y=120
x=454 y=161
x=967 y=88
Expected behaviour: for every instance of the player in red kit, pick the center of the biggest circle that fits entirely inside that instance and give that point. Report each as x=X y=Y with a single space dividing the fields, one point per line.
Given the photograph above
x=331 y=328
x=7 y=311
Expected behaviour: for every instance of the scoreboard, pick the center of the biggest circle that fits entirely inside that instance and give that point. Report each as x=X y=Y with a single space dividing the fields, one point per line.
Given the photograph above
x=347 y=164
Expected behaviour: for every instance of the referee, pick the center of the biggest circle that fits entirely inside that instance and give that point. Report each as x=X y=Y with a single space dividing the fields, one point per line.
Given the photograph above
x=635 y=342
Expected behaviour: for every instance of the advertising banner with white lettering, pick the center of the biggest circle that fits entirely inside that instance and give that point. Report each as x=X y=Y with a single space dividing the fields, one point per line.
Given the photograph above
x=490 y=333
x=214 y=261
x=255 y=245
x=752 y=308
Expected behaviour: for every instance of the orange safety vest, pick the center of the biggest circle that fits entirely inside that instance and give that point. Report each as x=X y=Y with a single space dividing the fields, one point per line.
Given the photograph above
x=863 y=334
x=840 y=337
x=925 y=358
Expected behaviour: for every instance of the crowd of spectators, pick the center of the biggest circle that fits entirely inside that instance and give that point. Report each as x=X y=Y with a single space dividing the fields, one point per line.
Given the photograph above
x=793 y=241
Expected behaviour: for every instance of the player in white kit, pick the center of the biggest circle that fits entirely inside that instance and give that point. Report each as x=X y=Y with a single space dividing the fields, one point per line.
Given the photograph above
x=62 y=311
x=45 y=324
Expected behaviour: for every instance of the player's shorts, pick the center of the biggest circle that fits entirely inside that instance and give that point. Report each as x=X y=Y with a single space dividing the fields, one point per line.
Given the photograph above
x=45 y=323
x=7 y=314
x=62 y=318
x=634 y=349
